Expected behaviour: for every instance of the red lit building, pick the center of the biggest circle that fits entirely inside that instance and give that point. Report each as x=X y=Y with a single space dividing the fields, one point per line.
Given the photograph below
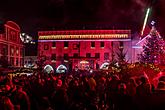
x=83 y=48
x=11 y=47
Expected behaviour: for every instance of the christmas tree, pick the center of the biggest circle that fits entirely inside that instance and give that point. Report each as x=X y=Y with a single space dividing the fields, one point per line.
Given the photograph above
x=153 y=48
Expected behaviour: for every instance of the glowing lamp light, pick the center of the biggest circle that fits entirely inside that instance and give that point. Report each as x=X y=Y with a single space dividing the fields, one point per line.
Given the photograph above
x=26 y=38
x=105 y=36
x=153 y=23
x=160 y=73
x=22 y=34
x=84 y=62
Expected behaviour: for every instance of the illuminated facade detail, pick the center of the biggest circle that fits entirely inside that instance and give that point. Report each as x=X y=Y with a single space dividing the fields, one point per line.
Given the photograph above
x=11 y=47
x=30 y=62
x=71 y=48
x=91 y=37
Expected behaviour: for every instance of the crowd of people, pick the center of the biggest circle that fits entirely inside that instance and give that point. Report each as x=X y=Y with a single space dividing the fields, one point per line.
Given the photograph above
x=80 y=91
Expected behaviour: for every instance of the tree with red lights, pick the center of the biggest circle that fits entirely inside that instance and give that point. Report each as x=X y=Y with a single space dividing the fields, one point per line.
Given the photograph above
x=153 y=48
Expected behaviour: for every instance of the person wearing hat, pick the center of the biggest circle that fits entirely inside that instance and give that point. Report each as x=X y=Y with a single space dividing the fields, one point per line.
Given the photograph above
x=158 y=96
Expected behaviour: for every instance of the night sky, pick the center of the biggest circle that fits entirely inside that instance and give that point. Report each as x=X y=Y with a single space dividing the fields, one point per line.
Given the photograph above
x=37 y=15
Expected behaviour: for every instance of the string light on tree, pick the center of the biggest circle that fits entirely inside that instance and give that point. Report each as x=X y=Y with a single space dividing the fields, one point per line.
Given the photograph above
x=153 y=48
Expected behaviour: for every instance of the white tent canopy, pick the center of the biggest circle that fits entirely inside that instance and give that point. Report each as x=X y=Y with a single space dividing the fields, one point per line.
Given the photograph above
x=104 y=66
x=61 y=69
x=48 y=69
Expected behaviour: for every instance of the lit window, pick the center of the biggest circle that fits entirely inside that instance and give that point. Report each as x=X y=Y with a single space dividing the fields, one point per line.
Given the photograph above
x=53 y=44
x=17 y=52
x=106 y=56
x=66 y=44
x=12 y=51
x=102 y=44
x=88 y=55
x=46 y=47
x=75 y=55
x=66 y=56
x=97 y=55
x=92 y=44
x=12 y=61
x=121 y=45
x=53 y=57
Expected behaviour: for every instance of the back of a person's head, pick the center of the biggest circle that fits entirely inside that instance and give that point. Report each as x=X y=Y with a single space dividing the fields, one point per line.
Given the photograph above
x=7 y=105
x=19 y=87
x=102 y=80
x=162 y=78
x=161 y=85
x=143 y=79
x=132 y=81
x=122 y=88
x=115 y=77
x=59 y=83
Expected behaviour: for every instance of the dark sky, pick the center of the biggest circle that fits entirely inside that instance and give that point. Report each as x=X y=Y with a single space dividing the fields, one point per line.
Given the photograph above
x=34 y=15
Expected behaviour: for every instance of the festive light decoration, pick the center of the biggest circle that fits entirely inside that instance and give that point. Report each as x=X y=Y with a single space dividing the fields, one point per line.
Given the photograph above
x=145 y=20
x=105 y=36
x=153 y=48
x=25 y=38
x=84 y=62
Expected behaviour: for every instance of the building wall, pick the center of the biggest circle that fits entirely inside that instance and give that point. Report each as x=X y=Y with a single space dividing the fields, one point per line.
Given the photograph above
x=81 y=47
x=85 y=48
x=11 y=47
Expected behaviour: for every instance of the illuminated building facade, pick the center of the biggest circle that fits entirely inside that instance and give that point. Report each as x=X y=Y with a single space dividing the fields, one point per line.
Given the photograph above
x=82 y=48
x=11 y=47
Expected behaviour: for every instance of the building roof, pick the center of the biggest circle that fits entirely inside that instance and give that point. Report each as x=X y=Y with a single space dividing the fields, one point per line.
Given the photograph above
x=13 y=25
x=77 y=32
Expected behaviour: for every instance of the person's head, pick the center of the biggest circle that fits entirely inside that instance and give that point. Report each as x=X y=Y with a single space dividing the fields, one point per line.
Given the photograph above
x=132 y=81
x=161 y=85
x=143 y=79
x=122 y=88
x=162 y=78
x=59 y=83
x=102 y=80
x=7 y=105
x=7 y=87
x=19 y=87
x=76 y=83
x=115 y=77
